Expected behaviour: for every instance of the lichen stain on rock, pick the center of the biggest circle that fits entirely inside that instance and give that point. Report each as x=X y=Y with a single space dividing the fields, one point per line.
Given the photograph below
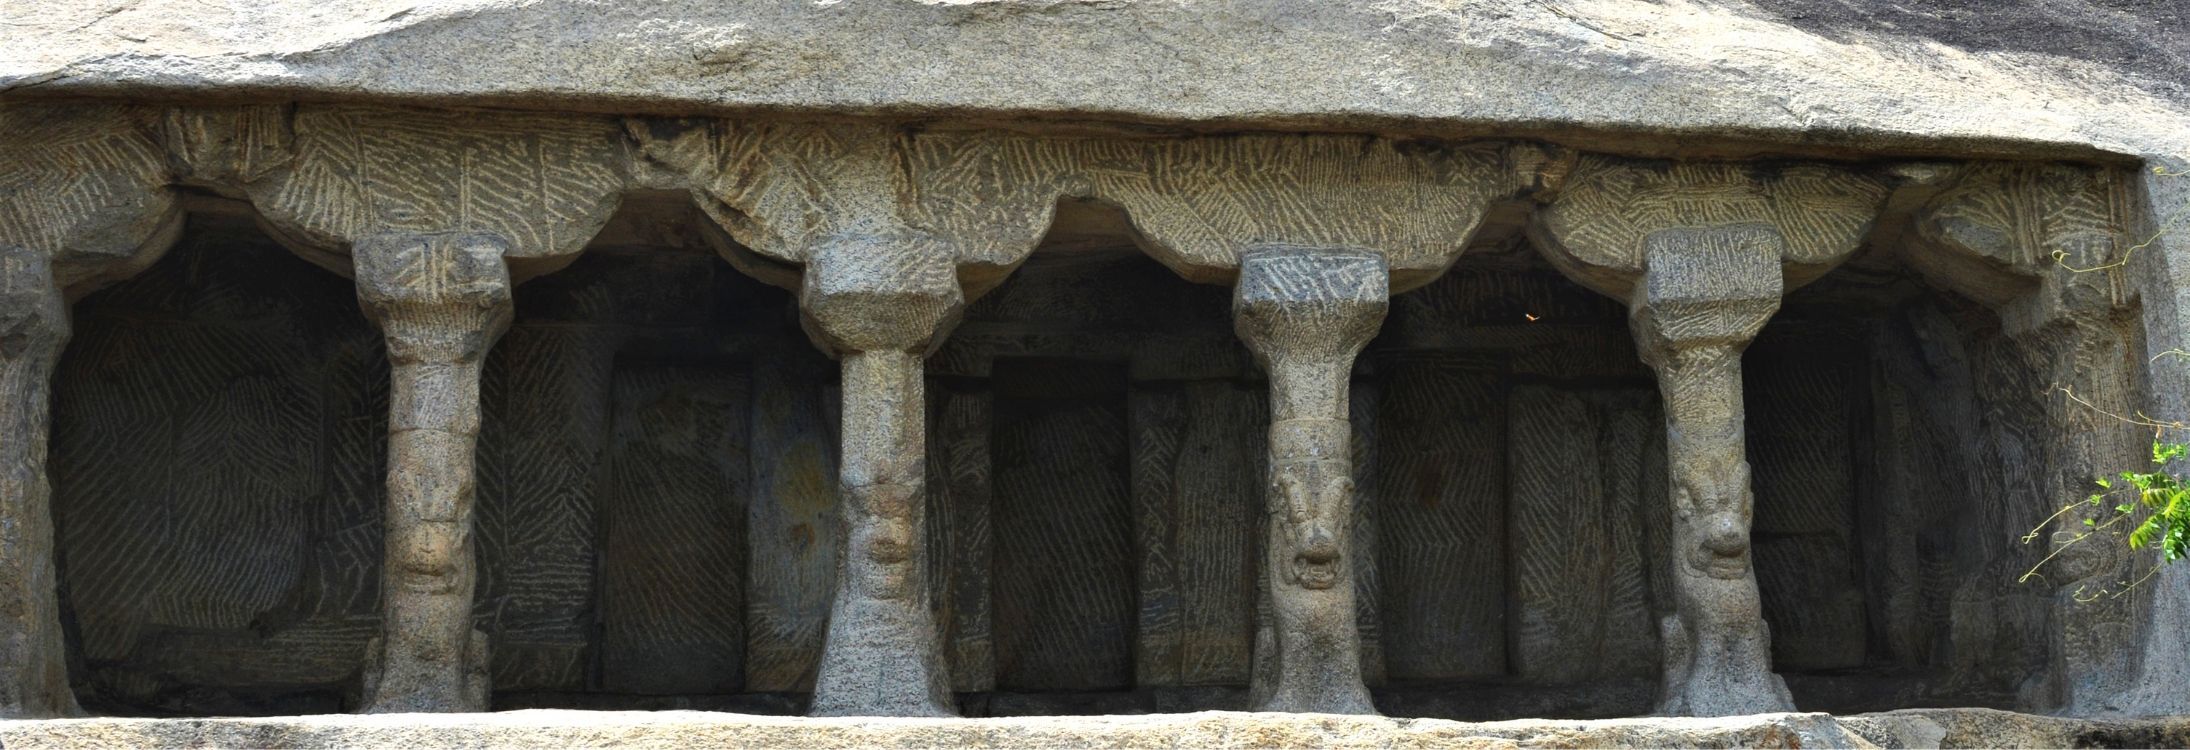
x=804 y=484
x=803 y=534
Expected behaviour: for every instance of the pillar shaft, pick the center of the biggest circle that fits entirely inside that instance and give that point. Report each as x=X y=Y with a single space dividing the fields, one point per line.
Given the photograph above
x=1705 y=294
x=1307 y=314
x=878 y=308
x=33 y=328
x=441 y=301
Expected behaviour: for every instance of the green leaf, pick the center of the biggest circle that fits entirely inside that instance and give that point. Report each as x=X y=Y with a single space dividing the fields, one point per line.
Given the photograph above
x=2143 y=535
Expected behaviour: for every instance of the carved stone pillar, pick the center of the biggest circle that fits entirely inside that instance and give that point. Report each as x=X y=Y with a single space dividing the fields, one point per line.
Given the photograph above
x=1307 y=314
x=879 y=307
x=1704 y=294
x=1702 y=252
x=441 y=300
x=33 y=328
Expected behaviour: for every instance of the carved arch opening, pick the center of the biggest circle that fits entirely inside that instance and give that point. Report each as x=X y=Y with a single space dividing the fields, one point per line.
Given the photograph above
x=1899 y=440
x=216 y=457
x=1093 y=484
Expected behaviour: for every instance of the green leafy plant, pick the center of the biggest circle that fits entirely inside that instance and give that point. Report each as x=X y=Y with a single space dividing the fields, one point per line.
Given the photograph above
x=2155 y=503
x=2161 y=491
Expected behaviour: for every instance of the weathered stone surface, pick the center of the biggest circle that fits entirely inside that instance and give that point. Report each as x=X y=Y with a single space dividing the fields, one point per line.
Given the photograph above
x=1933 y=78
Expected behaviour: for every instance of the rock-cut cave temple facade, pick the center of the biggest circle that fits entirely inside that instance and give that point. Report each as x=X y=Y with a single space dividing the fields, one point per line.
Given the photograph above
x=329 y=403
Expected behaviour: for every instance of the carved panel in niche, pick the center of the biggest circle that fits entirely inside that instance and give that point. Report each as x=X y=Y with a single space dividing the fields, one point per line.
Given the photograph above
x=1197 y=483
x=1813 y=379
x=1441 y=557
x=673 y=538
x=1064 y=562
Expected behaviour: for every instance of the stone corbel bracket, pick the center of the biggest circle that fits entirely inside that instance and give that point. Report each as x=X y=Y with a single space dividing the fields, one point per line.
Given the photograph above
x=437 y=215
x=2039 y=243
x=86 y=187
x=83 y=201
x=326 y=177
x=1702 y=253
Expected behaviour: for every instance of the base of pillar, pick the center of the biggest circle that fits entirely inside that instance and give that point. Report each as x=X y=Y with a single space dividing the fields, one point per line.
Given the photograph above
x=470 y=694
x=680 y=729
x=1719 y=682
x=62 y=706
x=881 y=658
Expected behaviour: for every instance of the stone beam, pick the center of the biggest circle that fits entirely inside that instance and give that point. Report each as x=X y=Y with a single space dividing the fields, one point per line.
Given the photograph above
x=1306 y=314
x=440 y=300
x=83 y=201
x=1702 y=253
x=1199 y=204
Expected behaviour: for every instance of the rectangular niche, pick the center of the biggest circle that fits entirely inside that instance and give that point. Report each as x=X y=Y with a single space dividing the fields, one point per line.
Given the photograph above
x=673 y=518
x=1064 y=560
x=1441 y=559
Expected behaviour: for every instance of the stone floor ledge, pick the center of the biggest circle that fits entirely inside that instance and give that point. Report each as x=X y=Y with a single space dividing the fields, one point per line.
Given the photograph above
x=1926 y=728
